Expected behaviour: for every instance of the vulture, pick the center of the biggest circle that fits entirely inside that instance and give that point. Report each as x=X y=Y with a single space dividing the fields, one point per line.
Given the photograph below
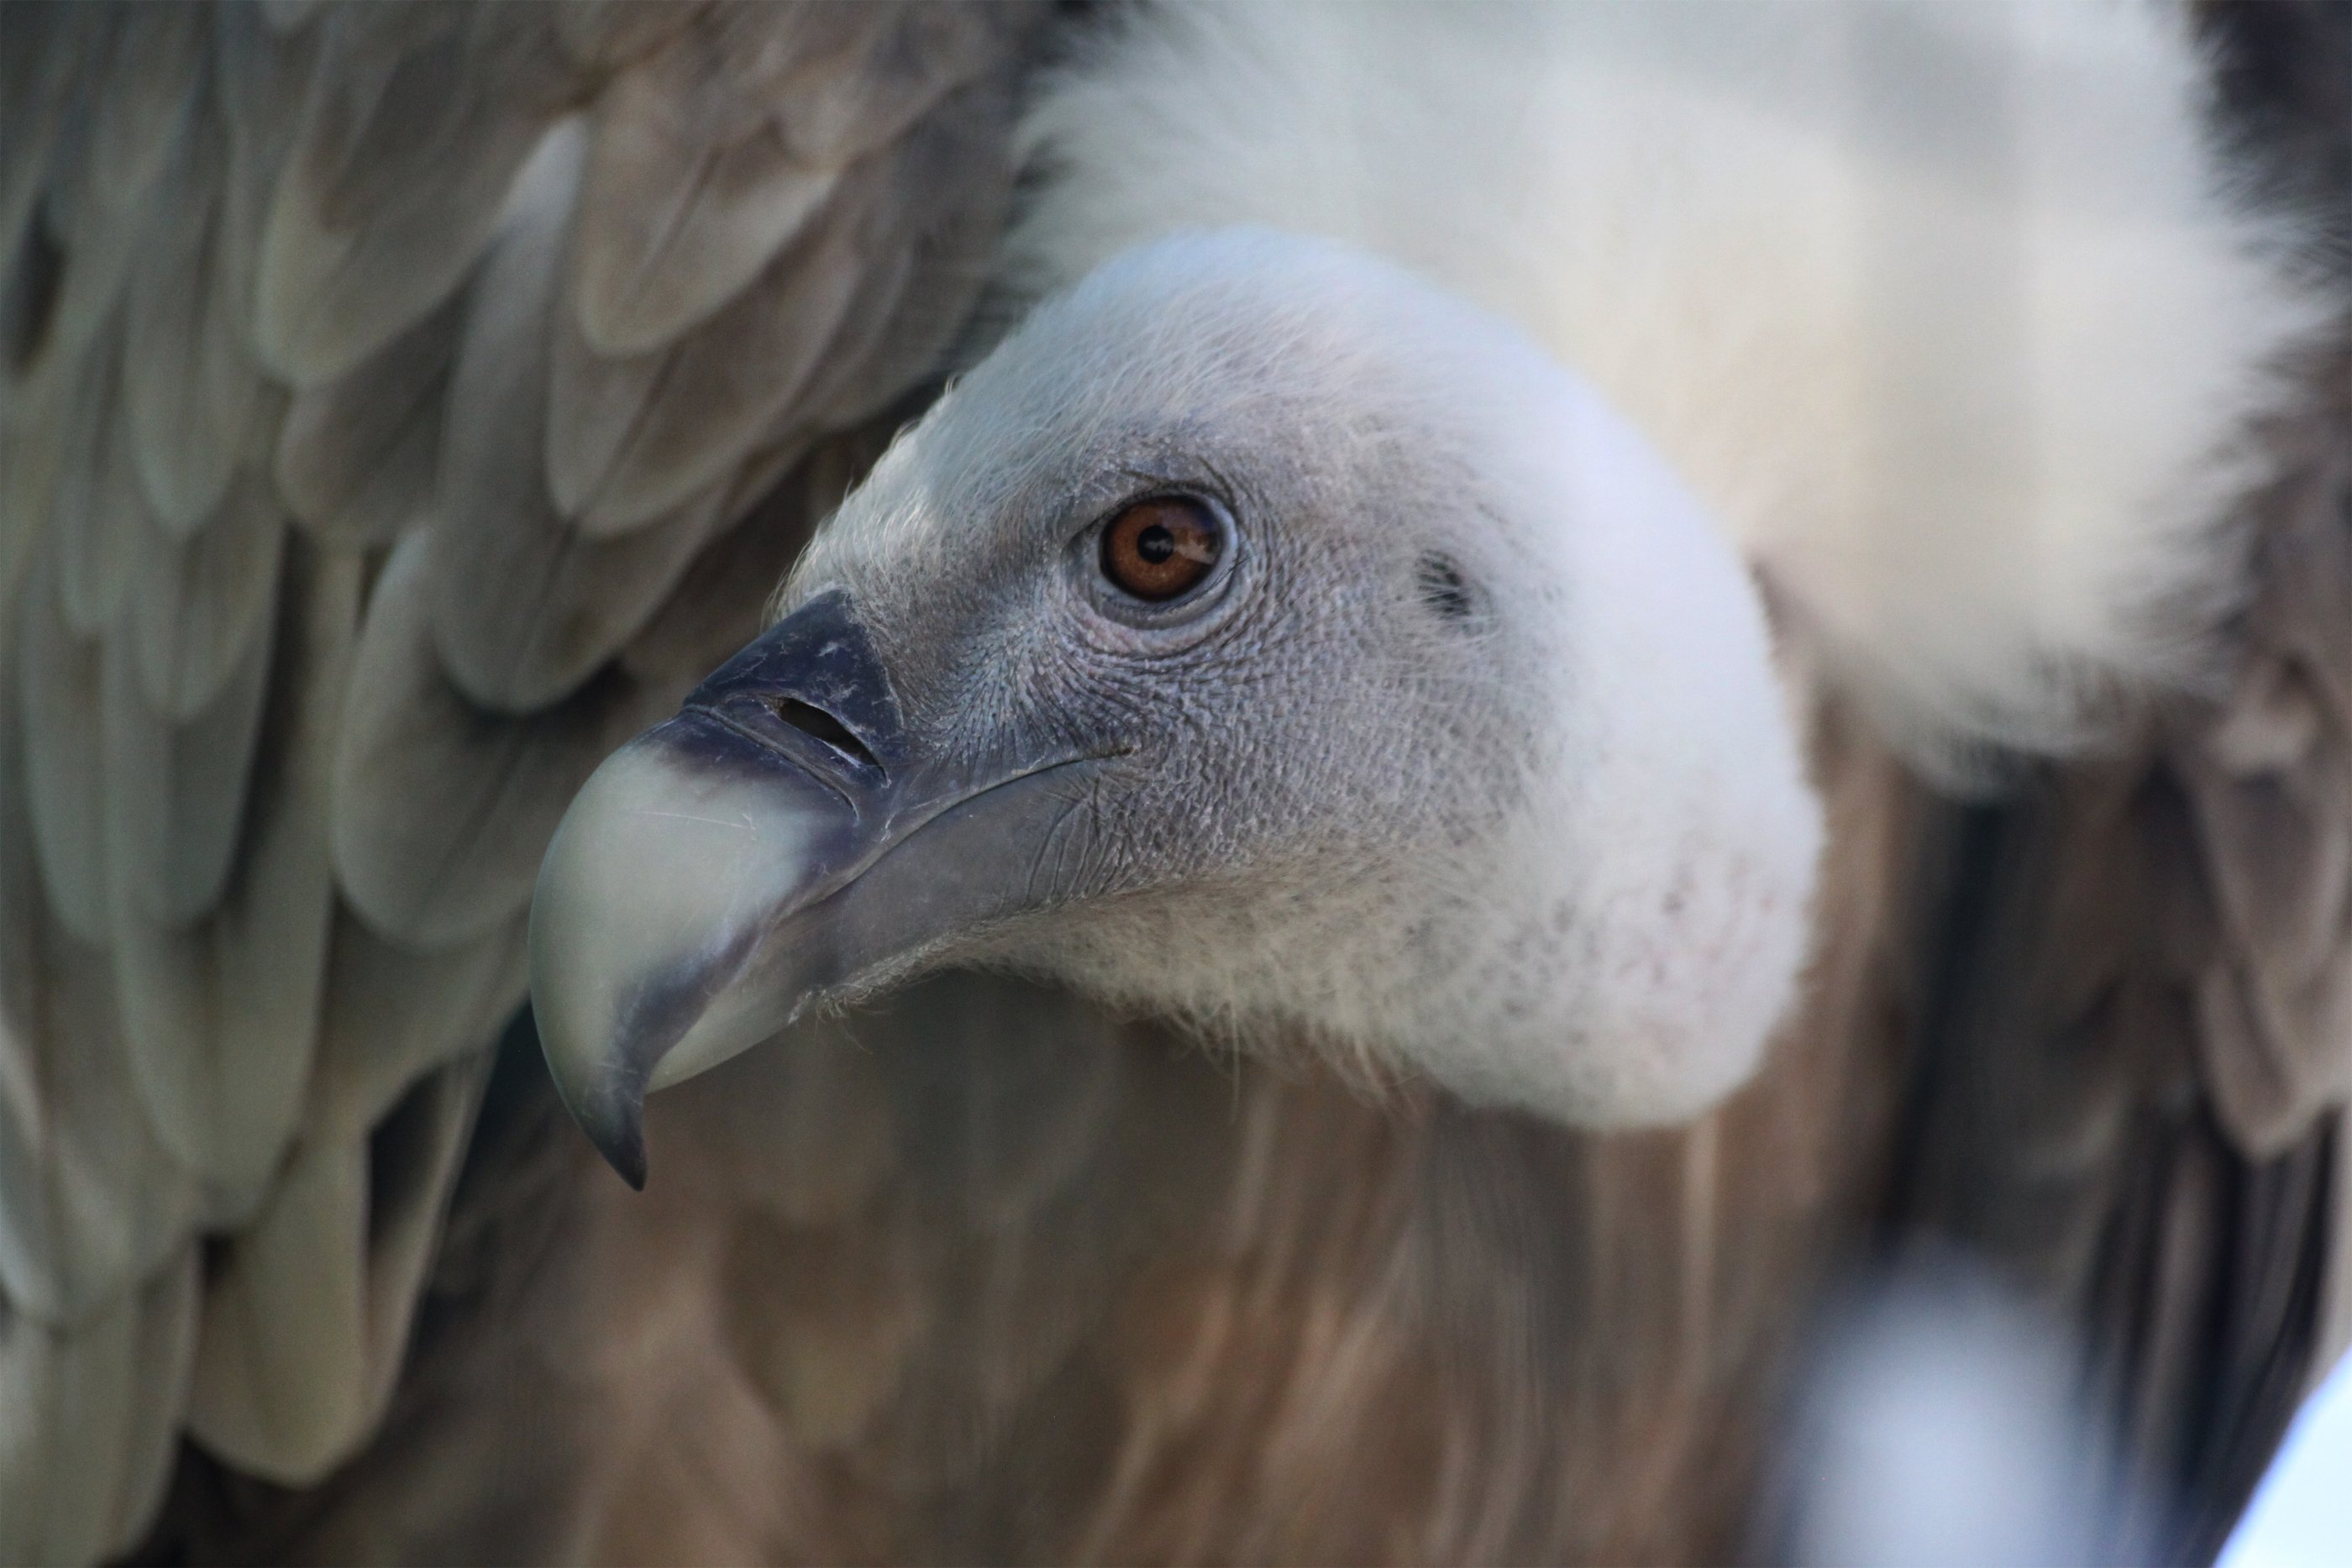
x=1412 y=725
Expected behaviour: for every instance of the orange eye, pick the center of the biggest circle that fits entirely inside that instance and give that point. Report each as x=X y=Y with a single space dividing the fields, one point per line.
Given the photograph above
x=1158 y=549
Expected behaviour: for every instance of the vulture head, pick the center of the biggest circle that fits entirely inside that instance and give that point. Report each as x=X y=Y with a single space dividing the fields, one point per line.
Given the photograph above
x=1259 y=637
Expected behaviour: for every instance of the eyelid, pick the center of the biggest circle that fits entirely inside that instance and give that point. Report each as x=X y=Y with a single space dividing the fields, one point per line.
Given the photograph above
x=1090 y=536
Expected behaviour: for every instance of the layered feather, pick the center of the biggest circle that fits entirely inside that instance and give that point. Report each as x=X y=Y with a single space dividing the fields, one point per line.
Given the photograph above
x=276 y=787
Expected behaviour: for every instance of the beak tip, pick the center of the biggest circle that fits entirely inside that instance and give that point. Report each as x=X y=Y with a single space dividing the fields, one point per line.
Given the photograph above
x=617 y=1128
x=610 y=1107
x=624 y=1151
x=660 y=882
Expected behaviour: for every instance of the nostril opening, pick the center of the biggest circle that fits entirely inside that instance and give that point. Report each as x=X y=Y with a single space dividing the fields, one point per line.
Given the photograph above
x=815 y=721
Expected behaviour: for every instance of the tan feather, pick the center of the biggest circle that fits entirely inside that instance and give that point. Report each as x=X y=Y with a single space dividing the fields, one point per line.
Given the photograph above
x=842 y=77
x=157 y=61
x=222 y=1015
x=357 y=456
x=91 y=1204
x=2311 y=583
x=524 y=608
x=57 y=693
x=98 y=519
x=305 y=1321
x=525 y=611
x=406 y=90
x=189 y=390
x=634 y=437
x=118 y=142
x=441 y=811
x=279 y=1366
x=672 y=225
x=261 y=79
x=197 y=606
x=2268 y=774
x=910 y=310
x=175 y=793
x=631 y=434
x=730 y=66
x=717 y=607
x=856 y=378
x=843 y=103
x=2283 y=849
x=600 y=36
x=414 y=126
x=89 y=1418
x=2259 y=1094
x=2281 y=1000
x=393 y=1015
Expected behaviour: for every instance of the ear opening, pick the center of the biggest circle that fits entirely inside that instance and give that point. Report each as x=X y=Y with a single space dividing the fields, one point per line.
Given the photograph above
x=1440 y=581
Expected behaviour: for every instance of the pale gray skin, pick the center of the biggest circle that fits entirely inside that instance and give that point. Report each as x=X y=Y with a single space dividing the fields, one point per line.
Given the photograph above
x=1466 y=759
x=1337 y=701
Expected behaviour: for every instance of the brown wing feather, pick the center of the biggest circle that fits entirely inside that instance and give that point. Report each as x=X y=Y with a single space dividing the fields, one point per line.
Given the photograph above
x=2136 y=1065
x=357 y=456
x=2141 y=1038
x=2268 y=777
x=191 y=388
x=199 y=607
x=307 y=632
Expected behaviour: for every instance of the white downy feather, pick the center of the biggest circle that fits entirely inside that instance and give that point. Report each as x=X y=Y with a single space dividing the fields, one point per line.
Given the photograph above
x=1939 y=307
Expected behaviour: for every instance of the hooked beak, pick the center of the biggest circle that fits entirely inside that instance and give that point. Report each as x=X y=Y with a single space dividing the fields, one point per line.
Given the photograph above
x=780 y=840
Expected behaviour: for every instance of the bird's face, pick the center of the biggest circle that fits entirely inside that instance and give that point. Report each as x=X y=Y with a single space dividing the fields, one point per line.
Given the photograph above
x=1257 y=637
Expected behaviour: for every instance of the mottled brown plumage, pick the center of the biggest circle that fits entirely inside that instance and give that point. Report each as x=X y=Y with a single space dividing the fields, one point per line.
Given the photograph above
x=2132 y=1087
x=351 y=508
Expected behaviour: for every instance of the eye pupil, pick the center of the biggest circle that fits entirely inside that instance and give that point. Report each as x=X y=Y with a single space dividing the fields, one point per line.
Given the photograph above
x=1161 y=548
